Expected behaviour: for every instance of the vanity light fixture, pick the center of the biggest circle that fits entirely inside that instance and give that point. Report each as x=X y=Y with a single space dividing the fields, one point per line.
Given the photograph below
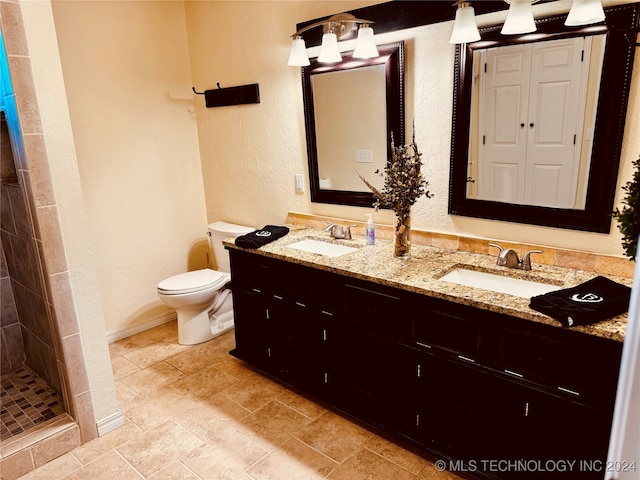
x=585 y=12
x=520 y=18
x=335 y=28
x=465 y=29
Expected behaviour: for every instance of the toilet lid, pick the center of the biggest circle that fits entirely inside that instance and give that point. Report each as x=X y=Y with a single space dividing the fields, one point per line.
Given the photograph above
x=195 y=281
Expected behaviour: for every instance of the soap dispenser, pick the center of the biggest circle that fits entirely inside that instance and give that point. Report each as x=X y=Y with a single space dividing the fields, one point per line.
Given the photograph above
x=370 y=230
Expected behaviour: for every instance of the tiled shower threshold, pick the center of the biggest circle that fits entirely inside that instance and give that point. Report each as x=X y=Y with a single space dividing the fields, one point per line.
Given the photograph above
x=49 y=431
x=35 y=427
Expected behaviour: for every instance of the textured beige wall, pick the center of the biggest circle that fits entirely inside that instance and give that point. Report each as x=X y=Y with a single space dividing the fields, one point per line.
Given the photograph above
x=250 y=153
x=128 y=81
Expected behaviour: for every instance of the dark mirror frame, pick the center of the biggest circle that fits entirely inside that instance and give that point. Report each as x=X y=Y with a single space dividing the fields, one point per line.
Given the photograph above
x=392 y=56
x=621 y=30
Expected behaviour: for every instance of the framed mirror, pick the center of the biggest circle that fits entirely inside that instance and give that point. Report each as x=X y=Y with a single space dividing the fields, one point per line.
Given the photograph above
x=351 y=109
x=539 y=120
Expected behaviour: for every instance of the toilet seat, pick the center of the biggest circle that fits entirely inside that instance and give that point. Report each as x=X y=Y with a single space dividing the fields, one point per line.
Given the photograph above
x=192 y=282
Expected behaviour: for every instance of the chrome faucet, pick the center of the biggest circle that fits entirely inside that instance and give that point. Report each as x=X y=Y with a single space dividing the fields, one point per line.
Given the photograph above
x=336 y=231
x=509 y=258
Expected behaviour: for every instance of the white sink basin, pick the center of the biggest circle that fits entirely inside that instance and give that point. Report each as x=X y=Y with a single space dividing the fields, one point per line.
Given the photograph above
x=322 y=248
x=498 y=283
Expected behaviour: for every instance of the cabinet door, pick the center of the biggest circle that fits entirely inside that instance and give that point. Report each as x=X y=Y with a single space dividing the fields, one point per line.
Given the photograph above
x=311 y=340
x=453 y=407
x=261 y=333
x=375 y=379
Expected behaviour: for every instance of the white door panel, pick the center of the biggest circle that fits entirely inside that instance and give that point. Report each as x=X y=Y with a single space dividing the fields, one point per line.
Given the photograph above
x=533 y=114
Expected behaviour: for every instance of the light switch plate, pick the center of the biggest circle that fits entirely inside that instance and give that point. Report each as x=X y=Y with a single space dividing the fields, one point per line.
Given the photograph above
x=299 y=183
x=363 y=156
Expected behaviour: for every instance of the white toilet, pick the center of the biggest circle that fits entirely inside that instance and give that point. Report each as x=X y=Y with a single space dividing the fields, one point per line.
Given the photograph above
x=203 y=305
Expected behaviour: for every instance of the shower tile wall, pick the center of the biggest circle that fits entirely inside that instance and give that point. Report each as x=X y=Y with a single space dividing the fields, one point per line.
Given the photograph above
x=23 y=267
x=11 y=345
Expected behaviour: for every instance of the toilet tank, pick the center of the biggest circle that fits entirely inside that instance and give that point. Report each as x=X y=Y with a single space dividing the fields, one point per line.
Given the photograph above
x=219 y=231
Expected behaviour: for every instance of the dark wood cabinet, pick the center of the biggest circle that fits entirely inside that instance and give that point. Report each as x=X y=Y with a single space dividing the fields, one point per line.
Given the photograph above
x=495 y=396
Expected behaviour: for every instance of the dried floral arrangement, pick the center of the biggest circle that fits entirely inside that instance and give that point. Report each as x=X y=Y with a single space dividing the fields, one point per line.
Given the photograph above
x=404 y=182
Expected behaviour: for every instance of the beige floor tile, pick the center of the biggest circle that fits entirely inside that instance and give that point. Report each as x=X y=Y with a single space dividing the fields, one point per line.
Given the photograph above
x=153 y=378
x=244 y=476
x=125 y=394
x=273 y=424
x=301 y=404
x=225 y=456
x=57 y=468
x=121 y=347
x=366 y=465
x=95 y=448
x=206 y=422
x=254 y=392
x=155 y=352
x=294 y=461
x=175 y=471
x=167 y=332
x=236 y=368
x=158 y=447
x=203 y=384
x=217 y=405
x=334 y=436
x=396 y=454
x=108 y=467
x=156 y=408
x=430 y=472
x=197 y=357
x=122 y=367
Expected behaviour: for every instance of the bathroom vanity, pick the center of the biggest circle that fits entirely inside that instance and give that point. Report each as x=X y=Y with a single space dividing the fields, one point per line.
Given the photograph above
x=474 y=377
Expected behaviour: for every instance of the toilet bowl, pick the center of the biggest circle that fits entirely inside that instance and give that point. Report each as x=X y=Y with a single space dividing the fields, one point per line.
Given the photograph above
x=203 y=304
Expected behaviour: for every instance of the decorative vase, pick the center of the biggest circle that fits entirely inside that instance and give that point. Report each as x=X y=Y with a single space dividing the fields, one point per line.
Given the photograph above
x=402 y=233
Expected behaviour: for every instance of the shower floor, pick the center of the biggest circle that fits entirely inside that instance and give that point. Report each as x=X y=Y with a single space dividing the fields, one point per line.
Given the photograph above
x=26 y=401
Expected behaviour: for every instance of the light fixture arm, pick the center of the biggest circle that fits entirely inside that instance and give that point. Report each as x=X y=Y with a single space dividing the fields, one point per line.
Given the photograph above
x=342 y=24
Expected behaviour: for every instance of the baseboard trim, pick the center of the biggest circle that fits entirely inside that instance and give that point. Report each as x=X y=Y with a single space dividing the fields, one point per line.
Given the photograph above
x=121 y=333
x=110 y=423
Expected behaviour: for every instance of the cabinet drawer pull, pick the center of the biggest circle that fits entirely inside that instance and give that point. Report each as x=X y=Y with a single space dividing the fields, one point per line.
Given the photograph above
x=515 y=374
x=466 y=359
x=324 y=334
x=278 y=297
x=326 y=377
x=300 y=304
x=269 y=352
x=324 y=312
x=419 y=370
x=256 y=290
x=568 y=390
x=526 y=409
x=425 y=345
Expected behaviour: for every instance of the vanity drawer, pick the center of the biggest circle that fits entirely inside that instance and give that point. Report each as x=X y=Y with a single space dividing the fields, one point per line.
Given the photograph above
x=377 y=310
x=315 y=291
x=569 y=362
x=260 y=276
x=449 y=326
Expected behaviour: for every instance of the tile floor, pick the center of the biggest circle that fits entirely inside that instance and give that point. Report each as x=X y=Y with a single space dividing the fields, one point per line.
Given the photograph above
x=26 y=401
x=198 y=413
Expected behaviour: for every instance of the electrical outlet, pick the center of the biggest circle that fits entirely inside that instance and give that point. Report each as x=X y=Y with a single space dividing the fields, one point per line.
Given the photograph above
x=299 y=183
x=363 y=156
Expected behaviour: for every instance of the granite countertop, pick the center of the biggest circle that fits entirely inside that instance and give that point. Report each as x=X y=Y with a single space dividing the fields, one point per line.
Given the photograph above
x=422 y=271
